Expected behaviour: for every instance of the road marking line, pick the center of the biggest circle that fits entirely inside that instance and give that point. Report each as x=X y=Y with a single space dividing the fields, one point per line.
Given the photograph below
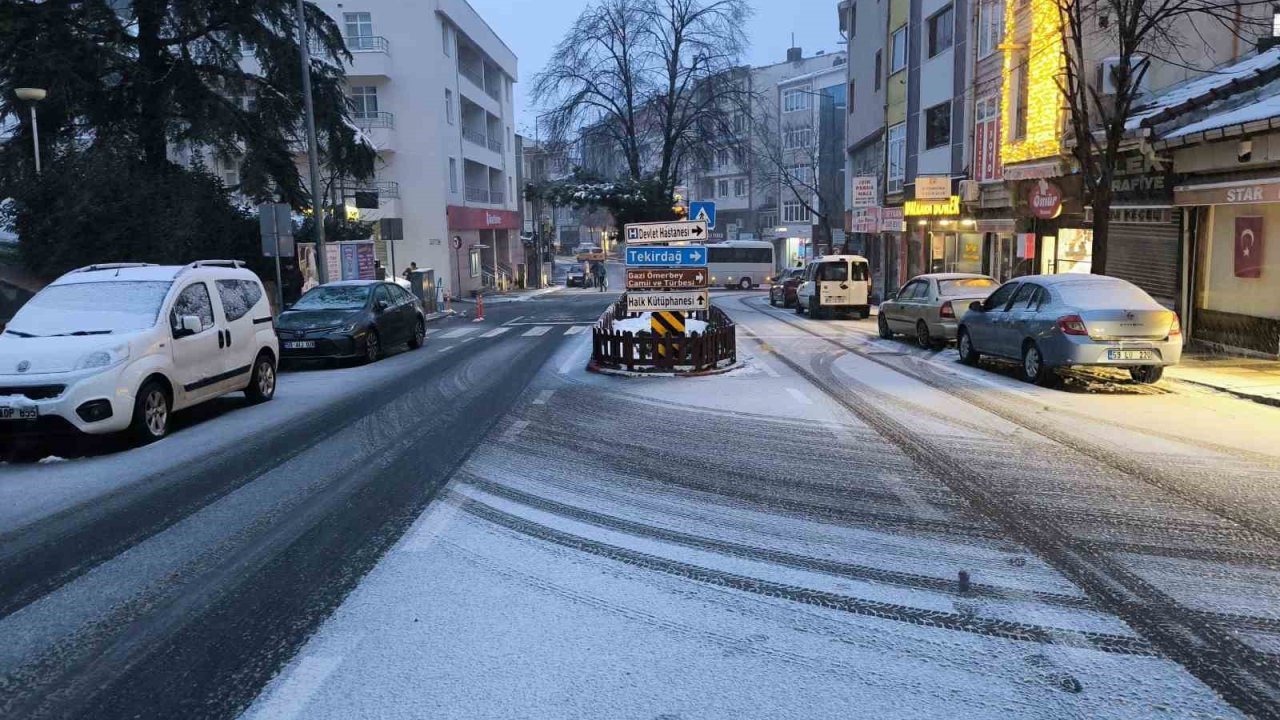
x=495 y=332
x=543 y=397
x=799 y=396
x=443 y=348
x=459 y=332
x=575 y=329
x=439 y=517
x=513 y=320
x=536 y=331
x=766 y=367
x=291 y=698
x=514 y=431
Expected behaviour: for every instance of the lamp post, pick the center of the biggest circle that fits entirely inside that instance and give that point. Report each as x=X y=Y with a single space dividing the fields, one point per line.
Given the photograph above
x=33 y=96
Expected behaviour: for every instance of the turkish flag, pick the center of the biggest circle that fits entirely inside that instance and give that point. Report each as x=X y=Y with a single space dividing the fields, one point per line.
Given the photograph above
x=1249 y=246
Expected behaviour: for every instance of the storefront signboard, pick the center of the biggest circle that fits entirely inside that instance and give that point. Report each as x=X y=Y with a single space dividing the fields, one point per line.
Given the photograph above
x=932 y=208
x=933 y=187
x=1045 y=200
x=891 y=220
x=1243 y=193
x=866 y=220
x=864 y=191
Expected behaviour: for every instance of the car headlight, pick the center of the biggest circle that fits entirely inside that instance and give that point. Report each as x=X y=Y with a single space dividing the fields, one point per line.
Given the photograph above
x=103 y=359
x=350 y=327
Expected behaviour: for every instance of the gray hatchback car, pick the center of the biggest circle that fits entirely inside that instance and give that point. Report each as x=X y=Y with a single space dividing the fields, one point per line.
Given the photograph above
x=928 y=306
x=1053 y=321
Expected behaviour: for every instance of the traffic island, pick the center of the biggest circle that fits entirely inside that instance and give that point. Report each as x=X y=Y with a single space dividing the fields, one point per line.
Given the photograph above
x=665 y=343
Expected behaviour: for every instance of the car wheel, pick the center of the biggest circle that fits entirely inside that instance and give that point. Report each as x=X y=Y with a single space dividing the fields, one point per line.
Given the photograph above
x=262 y=385
x=419 y=334
x=372 y=347
x=968 y=355
x=923 y=338
x=883 y=326
x=1034 y=369
x=1146 y=374
x=744 y=283
x=151 y=410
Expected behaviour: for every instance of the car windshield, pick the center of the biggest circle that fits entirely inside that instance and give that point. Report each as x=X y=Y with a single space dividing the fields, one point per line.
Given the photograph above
x=91 y=308
x=965 y=286
x=833 y=271
x=334 y=297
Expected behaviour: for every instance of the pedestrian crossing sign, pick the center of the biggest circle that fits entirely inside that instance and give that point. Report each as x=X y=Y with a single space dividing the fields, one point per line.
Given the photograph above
x=704 y=210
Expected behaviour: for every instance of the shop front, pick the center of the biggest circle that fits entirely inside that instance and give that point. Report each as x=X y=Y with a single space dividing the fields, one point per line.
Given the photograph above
x=1144 y=234
x=1234 y=280
x=480 y=244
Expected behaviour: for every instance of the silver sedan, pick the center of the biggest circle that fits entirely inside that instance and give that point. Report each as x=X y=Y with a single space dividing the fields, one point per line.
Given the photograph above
x=927 y=307
x=1053 y=321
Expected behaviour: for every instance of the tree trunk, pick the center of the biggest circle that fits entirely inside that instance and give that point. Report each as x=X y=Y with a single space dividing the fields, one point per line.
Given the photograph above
x=1101 y=227
x=151 y=85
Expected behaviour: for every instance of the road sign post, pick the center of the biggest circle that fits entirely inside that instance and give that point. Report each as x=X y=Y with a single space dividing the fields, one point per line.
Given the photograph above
x=678 y=257
x=704 y=210
x=654 y=300
x=666 y=279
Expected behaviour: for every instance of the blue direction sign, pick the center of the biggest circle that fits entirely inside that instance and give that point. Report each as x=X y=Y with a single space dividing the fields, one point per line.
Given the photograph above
x=704 y=210
x=692 y=256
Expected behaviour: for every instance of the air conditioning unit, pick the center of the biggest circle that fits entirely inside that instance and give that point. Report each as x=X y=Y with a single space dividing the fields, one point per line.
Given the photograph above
x=1106 y=80
x=970 y=191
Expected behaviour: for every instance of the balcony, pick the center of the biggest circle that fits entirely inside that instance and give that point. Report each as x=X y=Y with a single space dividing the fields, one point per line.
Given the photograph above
x=485 y=195
x=370 y=55
x=475 y=76
x=475 y=136
x=495 y=144
x=367 y=43
x=370 y=120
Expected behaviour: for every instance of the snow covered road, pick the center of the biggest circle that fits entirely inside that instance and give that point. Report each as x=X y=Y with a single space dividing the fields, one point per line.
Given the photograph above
x=787 y=540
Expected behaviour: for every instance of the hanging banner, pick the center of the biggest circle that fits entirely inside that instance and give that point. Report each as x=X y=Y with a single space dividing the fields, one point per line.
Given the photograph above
x=1249 y=246
x=864 y=191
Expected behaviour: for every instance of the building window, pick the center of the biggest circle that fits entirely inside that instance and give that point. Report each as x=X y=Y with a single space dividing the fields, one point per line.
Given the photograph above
x=722 y=158
x=851 y=97
x=723 y=189
x=941 y=27
x=740 y=156
x=897 y=156
x=358 y=25
x=898 y=47
x=453 y=175
x=445 y=40
x=879 y=69
x=475 y=262
x=801 y=174
x=990 y=26
x=1021 y=96
x=794 y=211
x=937 y=126
x=448 y=104
x=796 y=138
x=795 y=100
x=739 y=123
x=769 y=220
x=740 y=187
x=838 y=95
x=364 y=101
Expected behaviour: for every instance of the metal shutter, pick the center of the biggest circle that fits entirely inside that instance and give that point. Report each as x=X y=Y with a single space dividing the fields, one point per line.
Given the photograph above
x=1147 y=256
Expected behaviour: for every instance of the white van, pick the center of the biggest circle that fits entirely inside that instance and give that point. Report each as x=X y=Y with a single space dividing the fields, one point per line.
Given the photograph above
x=121 y=346
x=835 y=284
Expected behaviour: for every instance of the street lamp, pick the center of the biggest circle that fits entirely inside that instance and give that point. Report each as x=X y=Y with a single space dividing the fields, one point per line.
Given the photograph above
x=33 y=96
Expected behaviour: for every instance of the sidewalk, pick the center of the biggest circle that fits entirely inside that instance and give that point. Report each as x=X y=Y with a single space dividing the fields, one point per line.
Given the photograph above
x=1257 y=380
x=510 y=297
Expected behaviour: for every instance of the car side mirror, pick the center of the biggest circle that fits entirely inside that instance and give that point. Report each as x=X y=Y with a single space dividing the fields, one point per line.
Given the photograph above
x=188 y=325
x=977 y=306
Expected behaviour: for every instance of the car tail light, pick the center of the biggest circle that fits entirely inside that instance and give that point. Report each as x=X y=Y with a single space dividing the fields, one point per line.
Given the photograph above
x=1072 y=325
x=1175 y=328
x=947 y=311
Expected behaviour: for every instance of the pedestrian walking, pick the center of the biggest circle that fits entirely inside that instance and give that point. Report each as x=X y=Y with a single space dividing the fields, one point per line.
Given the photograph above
x=601 y=274
x=409 y=271
x=588 y=277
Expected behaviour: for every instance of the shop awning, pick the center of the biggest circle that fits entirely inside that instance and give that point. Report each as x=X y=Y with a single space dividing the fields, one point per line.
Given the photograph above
x=1239 y=192
x=1035 y=171
x=997 y=225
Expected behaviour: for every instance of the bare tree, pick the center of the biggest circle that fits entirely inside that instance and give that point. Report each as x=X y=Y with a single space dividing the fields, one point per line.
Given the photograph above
x=789 y=154
x=1134 y=36
x=657 y=78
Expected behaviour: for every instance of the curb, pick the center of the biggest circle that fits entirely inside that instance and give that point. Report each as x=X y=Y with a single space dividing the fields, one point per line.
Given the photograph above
x=593 y=366
x=1261 y=400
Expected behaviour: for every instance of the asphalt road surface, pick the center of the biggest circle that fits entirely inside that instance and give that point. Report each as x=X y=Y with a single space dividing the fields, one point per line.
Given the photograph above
x=482 y=529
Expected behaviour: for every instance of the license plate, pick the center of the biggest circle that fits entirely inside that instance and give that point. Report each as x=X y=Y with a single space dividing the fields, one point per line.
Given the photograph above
x=30 y=412
x=299 y=344
x=1129 y=355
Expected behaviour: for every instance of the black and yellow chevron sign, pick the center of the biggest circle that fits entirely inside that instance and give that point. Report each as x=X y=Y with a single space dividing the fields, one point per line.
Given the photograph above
x=665 y=322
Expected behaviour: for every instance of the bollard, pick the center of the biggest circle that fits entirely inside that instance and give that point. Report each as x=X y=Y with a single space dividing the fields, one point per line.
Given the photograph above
x=479 y=309
x=964 y=581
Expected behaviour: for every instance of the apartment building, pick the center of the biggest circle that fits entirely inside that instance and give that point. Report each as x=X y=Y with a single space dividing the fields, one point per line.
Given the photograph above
x=863 y=24
x=431 y=86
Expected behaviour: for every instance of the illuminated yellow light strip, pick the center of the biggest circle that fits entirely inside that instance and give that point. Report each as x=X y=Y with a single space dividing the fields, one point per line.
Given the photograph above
x=1044 y=66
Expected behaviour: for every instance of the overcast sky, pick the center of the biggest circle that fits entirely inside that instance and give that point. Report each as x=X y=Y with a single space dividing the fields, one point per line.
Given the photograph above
x=533 y=27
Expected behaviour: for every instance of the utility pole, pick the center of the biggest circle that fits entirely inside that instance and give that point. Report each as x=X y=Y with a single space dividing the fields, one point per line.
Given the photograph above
x=313 y=154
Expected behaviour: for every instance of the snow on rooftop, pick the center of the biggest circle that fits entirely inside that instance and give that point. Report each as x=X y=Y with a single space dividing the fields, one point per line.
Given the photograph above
x=1260 y=109
x=1176 y=95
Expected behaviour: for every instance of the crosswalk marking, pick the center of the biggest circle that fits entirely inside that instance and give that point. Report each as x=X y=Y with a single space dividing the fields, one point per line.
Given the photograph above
x=459 y=332
x=574 y=330
x=543 y=397
x=536 y=331
x=495 y=332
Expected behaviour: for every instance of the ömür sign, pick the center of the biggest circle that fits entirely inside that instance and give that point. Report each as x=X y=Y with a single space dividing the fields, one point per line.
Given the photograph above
x=1045 y=200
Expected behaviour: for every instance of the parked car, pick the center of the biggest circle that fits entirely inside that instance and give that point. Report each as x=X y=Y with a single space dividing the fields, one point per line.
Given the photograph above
x=351 y=319
x=121 y=346
x=1053 y=321
x=782 y=288
x=576 y=277
x=928 y=306
x=835 y=284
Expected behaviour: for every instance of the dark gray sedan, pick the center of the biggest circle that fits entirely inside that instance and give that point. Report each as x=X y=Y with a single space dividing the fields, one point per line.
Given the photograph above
x=927 y=307
x=1053 y=321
